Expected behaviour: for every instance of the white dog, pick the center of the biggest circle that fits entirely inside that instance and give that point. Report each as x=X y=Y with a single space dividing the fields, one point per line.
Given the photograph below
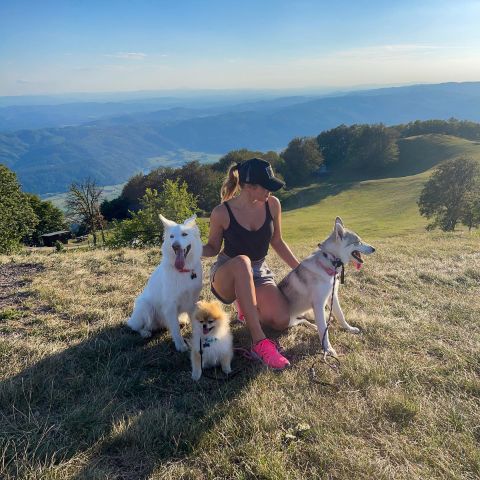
x=174 y=286
x=310 y=284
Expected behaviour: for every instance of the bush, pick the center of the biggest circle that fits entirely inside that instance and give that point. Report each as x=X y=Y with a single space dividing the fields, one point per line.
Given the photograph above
x=59 y=246
x=145 y=228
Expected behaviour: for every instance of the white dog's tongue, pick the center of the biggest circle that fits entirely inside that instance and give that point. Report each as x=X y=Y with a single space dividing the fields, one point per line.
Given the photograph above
x=180 y=259
x=358 y=266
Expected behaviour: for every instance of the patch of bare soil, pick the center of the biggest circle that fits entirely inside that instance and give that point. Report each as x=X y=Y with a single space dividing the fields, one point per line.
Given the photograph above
x=13 y=278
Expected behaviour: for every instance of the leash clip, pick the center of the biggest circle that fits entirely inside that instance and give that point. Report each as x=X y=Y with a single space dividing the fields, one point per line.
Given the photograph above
x=337 y=263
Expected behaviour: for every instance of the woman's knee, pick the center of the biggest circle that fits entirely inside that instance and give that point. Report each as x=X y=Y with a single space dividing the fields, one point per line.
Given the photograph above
x=243 y=265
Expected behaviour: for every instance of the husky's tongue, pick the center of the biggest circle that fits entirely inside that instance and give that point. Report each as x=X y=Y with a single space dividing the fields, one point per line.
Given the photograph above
x=358 y=266
x=180 y=259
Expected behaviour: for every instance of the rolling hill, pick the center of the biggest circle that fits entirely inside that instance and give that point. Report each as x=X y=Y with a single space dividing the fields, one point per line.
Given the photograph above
x=378 y=208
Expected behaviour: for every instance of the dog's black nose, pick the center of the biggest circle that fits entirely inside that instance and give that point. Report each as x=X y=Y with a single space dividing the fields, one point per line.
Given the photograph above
x=175 y=246
x=373 y=249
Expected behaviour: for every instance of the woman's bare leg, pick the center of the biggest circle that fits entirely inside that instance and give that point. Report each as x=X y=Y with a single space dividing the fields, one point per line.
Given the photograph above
x=234 y=279
x=273 y=307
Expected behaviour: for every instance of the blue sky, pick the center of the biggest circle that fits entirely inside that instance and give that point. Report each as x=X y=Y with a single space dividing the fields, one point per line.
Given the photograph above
x=73 y=46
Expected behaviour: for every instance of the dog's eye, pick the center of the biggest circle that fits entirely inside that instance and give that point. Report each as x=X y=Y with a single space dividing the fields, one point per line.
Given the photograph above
x=210 y=321
x=324 y=254
x=171 y=236
x=184 y=234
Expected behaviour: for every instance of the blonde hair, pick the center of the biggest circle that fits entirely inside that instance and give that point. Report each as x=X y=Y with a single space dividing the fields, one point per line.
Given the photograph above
x=231 y=185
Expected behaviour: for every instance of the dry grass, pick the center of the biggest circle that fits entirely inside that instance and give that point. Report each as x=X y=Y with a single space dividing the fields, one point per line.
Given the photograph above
x=83 y=397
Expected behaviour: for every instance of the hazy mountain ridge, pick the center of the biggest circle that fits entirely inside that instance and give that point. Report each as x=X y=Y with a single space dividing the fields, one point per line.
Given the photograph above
x=111 y=150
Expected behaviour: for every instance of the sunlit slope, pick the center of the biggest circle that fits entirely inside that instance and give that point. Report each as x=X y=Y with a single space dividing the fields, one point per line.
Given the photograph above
x=375 y=208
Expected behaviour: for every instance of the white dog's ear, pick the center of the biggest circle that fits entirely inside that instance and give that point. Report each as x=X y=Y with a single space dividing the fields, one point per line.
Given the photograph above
x=339 y=230
x=166 y=223
x=190 y=222
x=339 y=220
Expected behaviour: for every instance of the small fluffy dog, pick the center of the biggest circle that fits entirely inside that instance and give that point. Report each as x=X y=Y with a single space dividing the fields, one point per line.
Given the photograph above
x=211 y=342
x=174 y=286
x=310 y=284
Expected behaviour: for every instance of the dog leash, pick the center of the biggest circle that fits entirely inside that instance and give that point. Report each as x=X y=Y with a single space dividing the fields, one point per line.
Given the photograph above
x=337 y=263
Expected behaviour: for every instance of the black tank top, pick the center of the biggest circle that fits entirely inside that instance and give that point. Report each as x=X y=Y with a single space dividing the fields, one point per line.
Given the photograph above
x=240 y=241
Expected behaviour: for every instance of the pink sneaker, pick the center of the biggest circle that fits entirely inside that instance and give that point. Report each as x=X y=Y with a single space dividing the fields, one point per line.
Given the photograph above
x=267 y=351
x=240 y=315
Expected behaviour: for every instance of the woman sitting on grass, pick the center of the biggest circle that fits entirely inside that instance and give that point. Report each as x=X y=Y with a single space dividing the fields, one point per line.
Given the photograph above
x=248 y=220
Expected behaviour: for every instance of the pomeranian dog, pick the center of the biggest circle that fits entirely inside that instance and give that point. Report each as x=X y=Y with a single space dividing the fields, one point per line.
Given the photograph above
x=211 y=343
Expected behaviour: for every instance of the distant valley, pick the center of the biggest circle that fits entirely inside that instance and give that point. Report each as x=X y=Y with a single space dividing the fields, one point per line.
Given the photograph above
x=113 y=147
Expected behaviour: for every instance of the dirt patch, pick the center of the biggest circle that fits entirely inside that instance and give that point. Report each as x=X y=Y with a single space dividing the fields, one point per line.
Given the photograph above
x=13 y=278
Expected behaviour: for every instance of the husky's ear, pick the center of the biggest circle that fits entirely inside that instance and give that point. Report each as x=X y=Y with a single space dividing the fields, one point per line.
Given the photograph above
x=190 y=222
x=166 y=223
x=339 y=220
x=339 y=231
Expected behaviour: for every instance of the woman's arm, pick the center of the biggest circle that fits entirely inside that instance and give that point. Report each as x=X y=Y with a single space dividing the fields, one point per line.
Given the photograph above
x=277 y=242
x=215 y=236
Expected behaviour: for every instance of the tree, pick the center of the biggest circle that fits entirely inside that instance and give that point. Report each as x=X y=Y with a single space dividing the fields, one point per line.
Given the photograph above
x=236 y=156
x=333 y=145
x=302 y=160
x=471 y=212
x=145 y=228
x=445 y=196
x=83 y=206
x=115 y=208
x=17 y=218
x=50 y=218
x=372 y=148
x=202 y=182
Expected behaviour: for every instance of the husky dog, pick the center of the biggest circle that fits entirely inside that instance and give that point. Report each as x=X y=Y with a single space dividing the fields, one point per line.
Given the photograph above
x=211 y=342
x=174 y=286
x=310 y=284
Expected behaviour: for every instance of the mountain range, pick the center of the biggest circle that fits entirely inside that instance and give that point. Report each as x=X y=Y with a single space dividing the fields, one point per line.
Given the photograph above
x=122 y=139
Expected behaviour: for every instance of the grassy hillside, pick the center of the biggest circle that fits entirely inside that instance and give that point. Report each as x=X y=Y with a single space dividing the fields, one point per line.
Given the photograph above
x=82 y=397
x=375 y=208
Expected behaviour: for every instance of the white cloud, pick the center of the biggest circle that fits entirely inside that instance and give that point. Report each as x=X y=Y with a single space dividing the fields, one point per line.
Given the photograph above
x=128 y=55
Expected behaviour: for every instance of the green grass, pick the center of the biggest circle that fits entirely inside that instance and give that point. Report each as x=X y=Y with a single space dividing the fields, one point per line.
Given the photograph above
x=375 y=208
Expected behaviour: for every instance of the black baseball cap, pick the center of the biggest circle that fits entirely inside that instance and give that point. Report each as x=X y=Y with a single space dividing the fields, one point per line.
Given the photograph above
x=259 y=172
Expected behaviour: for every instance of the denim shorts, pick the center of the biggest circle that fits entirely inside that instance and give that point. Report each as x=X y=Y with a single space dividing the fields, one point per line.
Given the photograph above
x=262 y=275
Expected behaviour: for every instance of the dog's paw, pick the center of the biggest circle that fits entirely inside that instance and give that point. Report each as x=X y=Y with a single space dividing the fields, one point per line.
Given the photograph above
x=145 y=333
x=196 y=374
x=331 y=352
x=227 y=369
x=354 y=330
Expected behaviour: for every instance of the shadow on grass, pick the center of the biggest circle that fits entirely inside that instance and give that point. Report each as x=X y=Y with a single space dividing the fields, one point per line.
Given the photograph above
x=312 y=194
x=128 y=404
